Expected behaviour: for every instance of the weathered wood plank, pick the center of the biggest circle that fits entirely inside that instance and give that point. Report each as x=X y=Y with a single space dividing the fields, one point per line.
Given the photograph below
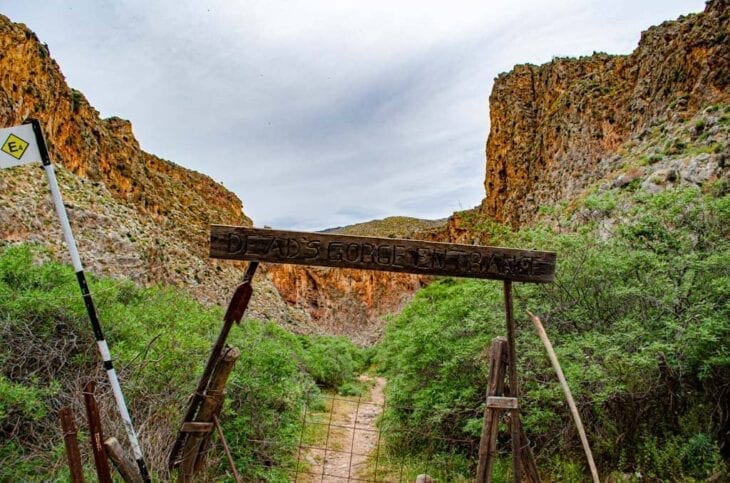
x=495 y=387
x=384 y=254
x=500 y=402
x=124 y=465
x=192 y=456
x=195 y=427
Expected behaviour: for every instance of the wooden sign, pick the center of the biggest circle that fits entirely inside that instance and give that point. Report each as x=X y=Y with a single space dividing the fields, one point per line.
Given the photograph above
x=385 y=254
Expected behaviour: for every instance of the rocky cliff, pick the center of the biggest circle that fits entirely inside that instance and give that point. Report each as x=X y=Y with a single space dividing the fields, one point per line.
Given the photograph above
x=557 y=131
x=557 y=128
x=654 y=118
x=135 y=215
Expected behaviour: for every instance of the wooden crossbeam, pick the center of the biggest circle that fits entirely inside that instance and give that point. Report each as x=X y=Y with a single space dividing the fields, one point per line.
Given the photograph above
x=383 y=254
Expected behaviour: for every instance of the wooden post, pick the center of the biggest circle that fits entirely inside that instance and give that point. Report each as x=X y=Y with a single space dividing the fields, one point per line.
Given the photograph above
x=488 y=444
x=236 y=308
x=191 y=458
x=498 y=352
x=528 y=457
x=124 y=465
x=514 y=386
x=96 y=435
x=72 y=445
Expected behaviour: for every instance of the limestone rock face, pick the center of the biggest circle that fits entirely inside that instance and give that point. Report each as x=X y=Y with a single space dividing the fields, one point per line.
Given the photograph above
x=344 y=301
x=555 y=126
x=103 y=150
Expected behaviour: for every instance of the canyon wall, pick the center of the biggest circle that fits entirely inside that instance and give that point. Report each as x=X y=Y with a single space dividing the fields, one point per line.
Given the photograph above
x=135 y=215
x=352 y=302
x=555 y=127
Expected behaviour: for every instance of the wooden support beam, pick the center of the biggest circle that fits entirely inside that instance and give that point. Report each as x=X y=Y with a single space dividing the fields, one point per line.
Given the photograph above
x=500 y=402
x=514 y=385
x=191 y=456
x=495 y=386
x=236 y=308
x=229 y=456
x=529 y=464
x=496 y=400
x=194 y=427
x=124 y=465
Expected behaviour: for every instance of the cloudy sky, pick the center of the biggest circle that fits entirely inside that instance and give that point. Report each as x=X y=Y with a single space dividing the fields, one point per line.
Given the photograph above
x=322 y=113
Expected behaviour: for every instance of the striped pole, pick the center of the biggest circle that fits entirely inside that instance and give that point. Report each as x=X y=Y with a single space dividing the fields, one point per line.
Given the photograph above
x=96 y=326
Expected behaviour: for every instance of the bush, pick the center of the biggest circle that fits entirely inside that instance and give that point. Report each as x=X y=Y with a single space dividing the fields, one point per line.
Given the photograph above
x=640 y=325
x=332 y=361
x=160 y=339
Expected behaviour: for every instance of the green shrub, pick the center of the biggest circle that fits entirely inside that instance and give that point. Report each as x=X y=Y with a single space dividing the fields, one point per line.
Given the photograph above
x=604 y=202
x=332 y=361
x=640 y=325
x=160 y=339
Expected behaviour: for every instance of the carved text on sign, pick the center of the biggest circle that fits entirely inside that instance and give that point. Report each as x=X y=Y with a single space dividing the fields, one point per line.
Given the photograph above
x=386 y=254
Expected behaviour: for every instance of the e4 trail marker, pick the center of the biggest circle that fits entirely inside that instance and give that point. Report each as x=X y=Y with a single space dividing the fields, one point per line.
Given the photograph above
x=25 y=144
x=18 y=146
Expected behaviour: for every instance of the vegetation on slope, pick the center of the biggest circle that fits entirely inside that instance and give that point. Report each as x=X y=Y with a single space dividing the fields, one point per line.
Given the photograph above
x=640 y=322
x=391 y=227
x=160 y=339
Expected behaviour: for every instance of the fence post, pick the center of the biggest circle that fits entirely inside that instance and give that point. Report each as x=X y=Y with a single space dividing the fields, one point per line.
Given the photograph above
x=72 y=444
x=191 y=455
x=96 y=435
x=495 y=387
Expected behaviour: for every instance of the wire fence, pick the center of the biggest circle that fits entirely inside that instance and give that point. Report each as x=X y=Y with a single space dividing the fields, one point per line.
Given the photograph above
x=347 y=439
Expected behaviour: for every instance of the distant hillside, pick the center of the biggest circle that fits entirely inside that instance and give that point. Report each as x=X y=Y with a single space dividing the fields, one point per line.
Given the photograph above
x=351 y=302
x=391 y=227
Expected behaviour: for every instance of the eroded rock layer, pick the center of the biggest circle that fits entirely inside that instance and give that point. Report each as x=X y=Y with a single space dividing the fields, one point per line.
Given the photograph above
x=135 y=215
x=555 y=127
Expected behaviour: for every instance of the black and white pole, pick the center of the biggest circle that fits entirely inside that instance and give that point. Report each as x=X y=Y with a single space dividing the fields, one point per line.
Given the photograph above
x=96 y=326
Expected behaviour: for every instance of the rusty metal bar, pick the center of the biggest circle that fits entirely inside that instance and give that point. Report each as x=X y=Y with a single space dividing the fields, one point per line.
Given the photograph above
x=72 y=445
x=103 y=472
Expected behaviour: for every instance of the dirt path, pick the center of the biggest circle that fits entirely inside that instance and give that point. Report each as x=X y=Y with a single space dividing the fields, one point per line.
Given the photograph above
x=351 y=438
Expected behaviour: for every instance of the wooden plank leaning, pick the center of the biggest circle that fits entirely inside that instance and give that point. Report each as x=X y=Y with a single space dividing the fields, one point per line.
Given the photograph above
x=236 y=308
x=124 y=465
x=191 y=454
x=568 y=395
